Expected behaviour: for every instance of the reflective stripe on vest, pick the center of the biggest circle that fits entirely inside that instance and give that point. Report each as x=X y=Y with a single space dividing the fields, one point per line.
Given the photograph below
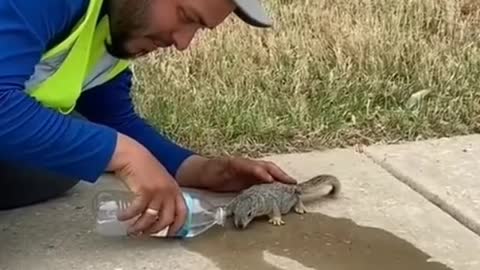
x=77 y=64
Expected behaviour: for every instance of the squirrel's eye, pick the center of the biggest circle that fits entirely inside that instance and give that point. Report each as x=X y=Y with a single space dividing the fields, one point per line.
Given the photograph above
x=249 y=214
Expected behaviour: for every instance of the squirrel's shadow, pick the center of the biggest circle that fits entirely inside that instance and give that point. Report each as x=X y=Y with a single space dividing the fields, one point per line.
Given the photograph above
x=313 y=241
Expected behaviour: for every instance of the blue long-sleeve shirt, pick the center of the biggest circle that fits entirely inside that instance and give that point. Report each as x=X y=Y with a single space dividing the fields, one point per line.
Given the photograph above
x=32 y=135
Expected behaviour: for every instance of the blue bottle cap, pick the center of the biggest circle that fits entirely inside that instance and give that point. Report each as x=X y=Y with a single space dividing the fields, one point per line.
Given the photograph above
x=188 y=221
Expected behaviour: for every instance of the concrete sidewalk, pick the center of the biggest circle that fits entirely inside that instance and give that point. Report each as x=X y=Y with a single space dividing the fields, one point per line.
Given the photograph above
x=411 y=206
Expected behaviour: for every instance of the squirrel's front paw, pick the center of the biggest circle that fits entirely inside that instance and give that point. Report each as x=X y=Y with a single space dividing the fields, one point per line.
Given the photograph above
x=277 y=221
x=300 y=209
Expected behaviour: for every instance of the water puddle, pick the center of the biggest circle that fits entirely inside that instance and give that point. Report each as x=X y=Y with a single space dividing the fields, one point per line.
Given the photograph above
x=311 y=241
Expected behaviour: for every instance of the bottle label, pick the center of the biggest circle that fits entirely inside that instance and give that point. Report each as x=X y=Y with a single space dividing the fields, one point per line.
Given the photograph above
x=162 y=233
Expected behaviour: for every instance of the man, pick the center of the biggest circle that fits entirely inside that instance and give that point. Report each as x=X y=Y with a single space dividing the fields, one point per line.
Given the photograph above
x=64 y=58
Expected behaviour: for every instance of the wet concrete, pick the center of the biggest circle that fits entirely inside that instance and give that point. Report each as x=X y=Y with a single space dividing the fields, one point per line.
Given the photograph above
x=311 y=241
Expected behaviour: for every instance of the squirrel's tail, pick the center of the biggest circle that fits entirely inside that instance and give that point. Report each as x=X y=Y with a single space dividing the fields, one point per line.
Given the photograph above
x=314 y=185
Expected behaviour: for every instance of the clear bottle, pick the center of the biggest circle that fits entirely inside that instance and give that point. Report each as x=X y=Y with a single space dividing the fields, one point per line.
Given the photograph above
x=201 y=214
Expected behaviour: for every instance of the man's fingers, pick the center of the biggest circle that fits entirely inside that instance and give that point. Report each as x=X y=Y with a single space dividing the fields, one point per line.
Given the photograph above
x=148 y=218
x=165 y=217
x=279 y=174
x=180 y=215
x=136 y=208
x=269 y=171
x=261 y=172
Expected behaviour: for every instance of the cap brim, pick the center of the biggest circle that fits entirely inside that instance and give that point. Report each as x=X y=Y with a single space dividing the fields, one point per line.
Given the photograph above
x=252 y=12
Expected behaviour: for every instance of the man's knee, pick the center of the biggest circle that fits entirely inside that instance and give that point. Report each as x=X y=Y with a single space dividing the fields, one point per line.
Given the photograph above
x=21 y=186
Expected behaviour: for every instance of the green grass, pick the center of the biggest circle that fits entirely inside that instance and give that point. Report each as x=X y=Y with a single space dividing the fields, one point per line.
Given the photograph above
x=330 y=74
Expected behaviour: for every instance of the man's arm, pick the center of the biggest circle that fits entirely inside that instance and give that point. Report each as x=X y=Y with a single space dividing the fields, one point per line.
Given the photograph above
x=110 y=104
x=31 y=135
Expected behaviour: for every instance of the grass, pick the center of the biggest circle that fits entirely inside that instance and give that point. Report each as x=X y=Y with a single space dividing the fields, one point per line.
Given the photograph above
x=330 y=74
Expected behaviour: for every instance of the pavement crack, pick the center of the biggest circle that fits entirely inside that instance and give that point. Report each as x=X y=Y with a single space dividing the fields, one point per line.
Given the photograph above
x=447 y=208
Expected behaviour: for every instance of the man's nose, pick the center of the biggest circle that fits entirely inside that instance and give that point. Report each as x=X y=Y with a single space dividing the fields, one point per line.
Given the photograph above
x=184 y=37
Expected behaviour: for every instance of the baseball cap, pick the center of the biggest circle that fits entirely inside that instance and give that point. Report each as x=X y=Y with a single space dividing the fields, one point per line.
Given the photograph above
x=252 y=12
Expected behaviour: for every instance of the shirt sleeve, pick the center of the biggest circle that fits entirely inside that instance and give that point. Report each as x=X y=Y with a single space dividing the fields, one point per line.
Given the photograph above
x=111 y=104
x=30 y=134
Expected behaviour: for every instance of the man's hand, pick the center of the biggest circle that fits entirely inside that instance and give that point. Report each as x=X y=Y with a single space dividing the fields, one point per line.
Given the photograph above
x=158 y=201
x=229 y=174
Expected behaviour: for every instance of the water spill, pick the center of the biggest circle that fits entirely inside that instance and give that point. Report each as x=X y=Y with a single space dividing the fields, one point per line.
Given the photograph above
x=314 y=241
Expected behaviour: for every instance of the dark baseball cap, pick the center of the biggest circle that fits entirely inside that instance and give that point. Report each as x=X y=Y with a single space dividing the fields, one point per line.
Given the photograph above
x=252 y=12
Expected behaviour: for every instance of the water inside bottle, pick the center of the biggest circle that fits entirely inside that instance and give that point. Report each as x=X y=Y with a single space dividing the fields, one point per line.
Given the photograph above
x=107 y=206
x=202 y=215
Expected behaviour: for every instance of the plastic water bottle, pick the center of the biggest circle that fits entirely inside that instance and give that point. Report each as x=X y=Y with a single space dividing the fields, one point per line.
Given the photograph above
x=201 y=214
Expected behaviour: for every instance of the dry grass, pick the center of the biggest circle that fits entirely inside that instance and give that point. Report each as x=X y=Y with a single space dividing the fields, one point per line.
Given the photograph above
x=330 y=74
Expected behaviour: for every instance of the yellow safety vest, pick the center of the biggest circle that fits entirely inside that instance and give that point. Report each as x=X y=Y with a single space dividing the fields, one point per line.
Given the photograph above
x=76 y=64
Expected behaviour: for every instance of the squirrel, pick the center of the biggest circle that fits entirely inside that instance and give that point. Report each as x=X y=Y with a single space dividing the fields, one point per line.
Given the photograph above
x=277 y=199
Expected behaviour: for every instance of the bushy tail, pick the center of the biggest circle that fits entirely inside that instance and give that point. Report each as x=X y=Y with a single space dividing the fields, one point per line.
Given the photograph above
x=311 y=188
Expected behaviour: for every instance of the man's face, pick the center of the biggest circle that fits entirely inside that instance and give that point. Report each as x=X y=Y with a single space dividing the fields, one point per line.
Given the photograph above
x=141 y=26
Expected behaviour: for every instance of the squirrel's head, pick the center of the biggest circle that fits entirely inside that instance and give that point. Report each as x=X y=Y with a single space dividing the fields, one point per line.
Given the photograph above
x=244 y=213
